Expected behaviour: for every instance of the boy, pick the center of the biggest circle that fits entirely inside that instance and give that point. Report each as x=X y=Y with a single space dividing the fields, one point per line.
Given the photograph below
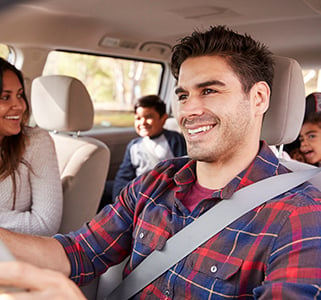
x=154 y=145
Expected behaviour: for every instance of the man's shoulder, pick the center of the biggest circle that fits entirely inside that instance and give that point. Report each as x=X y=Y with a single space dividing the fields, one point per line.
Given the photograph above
x=302 y=196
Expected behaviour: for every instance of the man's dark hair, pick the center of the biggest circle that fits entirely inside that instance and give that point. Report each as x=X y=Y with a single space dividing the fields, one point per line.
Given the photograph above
x=249 y=59
x=151 y=101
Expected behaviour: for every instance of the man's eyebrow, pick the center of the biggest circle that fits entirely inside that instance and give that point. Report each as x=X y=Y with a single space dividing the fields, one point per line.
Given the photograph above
x=201 y=85
x=209 y=83
x=179 y=90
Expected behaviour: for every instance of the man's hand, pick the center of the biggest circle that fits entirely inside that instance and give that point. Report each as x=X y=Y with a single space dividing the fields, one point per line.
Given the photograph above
x=36 y=283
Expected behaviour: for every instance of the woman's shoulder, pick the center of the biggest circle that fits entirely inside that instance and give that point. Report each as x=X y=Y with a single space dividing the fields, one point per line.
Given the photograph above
x=35 y=132
x=37 y=135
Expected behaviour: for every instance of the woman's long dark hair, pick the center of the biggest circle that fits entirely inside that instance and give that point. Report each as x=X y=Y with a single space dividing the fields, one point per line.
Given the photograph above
x=13 y=147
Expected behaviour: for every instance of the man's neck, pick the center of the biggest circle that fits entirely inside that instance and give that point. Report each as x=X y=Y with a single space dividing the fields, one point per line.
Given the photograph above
x=216 y=175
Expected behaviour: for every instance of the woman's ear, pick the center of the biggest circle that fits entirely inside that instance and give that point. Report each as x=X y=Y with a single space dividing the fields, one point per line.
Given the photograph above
x=260 y=93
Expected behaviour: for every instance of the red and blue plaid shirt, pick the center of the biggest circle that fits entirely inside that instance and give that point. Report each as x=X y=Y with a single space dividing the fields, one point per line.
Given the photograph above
x=272 y=252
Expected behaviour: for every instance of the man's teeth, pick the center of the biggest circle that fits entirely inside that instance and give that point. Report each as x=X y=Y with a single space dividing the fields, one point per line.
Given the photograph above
x=200 y=129
x=12 y=117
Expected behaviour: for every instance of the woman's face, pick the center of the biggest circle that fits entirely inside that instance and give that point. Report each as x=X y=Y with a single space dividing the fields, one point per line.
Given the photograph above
x=12 y=105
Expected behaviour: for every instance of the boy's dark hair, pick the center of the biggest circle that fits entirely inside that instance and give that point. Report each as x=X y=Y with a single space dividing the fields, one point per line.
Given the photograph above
x=249 y=59
x=151 y=101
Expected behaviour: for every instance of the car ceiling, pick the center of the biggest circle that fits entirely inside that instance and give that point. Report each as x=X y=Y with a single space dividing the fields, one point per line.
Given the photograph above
x=148 y=28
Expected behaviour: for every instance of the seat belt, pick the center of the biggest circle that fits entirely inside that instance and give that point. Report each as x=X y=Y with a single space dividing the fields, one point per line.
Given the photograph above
x=207 y=225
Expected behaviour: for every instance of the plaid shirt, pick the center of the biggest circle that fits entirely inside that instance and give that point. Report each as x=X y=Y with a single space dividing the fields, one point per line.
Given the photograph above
x=272 y=252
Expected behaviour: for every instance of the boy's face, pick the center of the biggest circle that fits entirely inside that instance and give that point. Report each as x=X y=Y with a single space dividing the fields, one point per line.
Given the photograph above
x=148 y=122
x=310 y=142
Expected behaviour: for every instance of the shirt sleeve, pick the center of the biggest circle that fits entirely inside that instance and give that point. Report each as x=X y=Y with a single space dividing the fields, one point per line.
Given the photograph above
x=42 y=210
x=294 y=268
x=103 y=242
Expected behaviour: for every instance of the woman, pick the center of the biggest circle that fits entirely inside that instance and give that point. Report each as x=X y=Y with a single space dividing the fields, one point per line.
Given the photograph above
x=30 y=187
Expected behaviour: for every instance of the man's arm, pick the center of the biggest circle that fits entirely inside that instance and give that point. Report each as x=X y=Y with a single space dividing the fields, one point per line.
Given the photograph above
x=294 y=268
x=44 y=252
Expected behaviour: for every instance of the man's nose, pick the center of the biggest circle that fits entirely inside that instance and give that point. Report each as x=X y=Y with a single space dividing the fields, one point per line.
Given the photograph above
x=191 y=106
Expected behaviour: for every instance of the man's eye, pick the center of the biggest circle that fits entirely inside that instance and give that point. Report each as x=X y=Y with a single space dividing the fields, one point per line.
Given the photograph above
x=311 y=136
x=182 y=97
x=208 y=91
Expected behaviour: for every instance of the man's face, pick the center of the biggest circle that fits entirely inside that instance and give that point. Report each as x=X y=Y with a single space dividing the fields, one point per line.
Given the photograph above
x=310 y=142
x=148 y=122
x=214 y=114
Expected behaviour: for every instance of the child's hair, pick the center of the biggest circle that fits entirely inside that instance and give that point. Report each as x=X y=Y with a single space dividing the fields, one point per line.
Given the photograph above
x=151 y=101
x=313 y=118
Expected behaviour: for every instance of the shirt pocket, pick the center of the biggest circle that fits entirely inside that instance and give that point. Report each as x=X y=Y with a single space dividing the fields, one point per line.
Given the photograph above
x=220 y=274
x=147 y=239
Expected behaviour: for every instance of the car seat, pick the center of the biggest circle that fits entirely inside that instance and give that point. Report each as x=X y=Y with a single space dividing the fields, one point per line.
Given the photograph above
x=62 y=105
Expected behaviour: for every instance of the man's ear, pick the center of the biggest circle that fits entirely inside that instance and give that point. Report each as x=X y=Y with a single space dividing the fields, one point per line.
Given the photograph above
x=260 y=93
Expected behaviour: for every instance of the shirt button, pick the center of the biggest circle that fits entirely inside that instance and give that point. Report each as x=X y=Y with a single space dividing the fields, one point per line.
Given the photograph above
x=141 y=235
x=167 y=293
x=214 y=269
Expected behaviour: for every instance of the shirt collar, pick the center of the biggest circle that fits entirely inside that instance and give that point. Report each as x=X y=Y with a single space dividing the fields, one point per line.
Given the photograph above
x=264 y=165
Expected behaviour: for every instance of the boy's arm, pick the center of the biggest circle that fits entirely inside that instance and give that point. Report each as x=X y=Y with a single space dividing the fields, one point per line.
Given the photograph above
x=125 y=173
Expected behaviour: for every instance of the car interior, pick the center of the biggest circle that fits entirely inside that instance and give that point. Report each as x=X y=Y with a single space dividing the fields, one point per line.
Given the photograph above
x=86 y=62
x=62 y=105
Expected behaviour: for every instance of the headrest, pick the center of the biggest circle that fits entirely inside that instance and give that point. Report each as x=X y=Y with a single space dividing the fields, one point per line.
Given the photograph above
x=312 y=103
x=61 y=103
x=283 y=120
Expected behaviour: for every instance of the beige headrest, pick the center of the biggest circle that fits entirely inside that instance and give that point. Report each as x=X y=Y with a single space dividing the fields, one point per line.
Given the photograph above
x=61 y=103
x=282 y=122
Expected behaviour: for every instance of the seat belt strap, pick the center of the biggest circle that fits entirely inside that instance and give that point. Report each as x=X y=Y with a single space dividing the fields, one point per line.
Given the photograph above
x=207 y=225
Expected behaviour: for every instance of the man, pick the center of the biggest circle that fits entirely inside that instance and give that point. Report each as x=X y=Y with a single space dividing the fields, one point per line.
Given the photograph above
x=272 y=252
x=153 y=145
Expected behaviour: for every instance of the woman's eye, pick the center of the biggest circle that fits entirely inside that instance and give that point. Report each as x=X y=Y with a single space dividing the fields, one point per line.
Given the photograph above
x=5 y=97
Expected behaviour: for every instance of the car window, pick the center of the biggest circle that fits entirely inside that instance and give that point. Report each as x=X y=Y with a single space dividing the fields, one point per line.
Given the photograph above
x=113 y=83
x=312 y=80
x=5 y=51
